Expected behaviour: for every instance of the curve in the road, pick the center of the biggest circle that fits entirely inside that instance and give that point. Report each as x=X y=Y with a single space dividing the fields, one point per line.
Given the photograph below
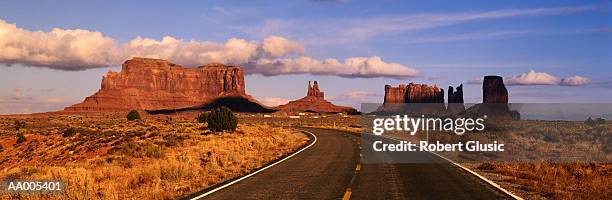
x=327 y=170
x=321 y=171
x=256 y=172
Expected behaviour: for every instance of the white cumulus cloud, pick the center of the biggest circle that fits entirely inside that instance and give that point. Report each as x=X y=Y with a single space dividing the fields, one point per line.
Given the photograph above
x=575 y=81
x=275 y=46
x=74 y=49
x=77 y=49
x=539 y=78
x=354 y=67
x=192 y=53
x=532 y=78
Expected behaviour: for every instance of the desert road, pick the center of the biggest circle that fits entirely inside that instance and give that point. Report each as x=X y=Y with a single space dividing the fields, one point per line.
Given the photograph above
x=330 y=169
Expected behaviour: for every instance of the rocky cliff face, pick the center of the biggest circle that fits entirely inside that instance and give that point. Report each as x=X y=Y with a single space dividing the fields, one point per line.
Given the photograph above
x=314 y=91
x=455 y=96
x=315 y=102
x=494 y=90
x=395 y=94
x=413 y=93
x=455 y=99
x=414 y=99
x=421 y=93
x=154 y=84
x=495 y=100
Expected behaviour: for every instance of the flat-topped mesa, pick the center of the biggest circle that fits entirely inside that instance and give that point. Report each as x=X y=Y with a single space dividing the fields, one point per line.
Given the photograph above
x=421 y=93
x=161 y=75
x=395 y=94
x=154 y=84
x=413 y=98
x=314 y=101
x=413 y=93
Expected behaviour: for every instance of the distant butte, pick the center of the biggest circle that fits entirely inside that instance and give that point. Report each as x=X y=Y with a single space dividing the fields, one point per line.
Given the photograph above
x=494 y=100
x=413 y=93
x=413 y=98
x=455 y=100
x=154 y=84
x=494 y=90
x=315 y=102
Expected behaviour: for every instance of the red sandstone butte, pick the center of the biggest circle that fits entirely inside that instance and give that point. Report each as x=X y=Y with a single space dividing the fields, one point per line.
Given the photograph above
x=414 y=99
x=154 y=84
x=315 y=102
x=494 y=90
x=413 y=93
x=494 y=100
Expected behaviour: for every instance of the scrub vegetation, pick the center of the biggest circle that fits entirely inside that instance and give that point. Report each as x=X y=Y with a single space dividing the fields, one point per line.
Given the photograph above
x=107 y=156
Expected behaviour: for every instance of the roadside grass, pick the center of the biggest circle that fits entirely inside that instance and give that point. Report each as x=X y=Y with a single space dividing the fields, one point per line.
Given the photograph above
x=346 y=123
x=551 y=181
x=108 y=157
x=580 y=173
x=534 y=179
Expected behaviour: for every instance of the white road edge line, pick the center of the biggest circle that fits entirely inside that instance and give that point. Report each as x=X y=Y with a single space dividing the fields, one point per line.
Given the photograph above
x=260 y=170
x=475 y=174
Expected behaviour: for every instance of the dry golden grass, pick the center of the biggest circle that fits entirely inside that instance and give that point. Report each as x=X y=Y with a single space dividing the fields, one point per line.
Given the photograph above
x=348 y=129
x=154 y=158
x=532 y=142
x=551 y=181
x=522 y=168
x=347 y=123
x=164 y=157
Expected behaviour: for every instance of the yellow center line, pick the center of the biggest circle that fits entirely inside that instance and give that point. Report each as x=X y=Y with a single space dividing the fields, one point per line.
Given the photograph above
x=347 y=194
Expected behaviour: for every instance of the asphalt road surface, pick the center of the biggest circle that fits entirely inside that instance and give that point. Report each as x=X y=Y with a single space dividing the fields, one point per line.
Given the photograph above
x=330 y=170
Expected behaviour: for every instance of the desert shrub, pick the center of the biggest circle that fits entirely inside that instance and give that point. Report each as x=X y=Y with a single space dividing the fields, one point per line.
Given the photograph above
x=170 y=172
x=19 y=124
x=153 y=151
x=1 y=148
x=69 y=132
x=135 y=133
x=495 y=125
x=23 y=172
x=20 y=138
x=138 y=150
x=154 y=134
x=589 y=121
x=551 y=138
x=355 y=126
x=222 y=118
x=203 y=117
x=486 y=166
x=130 y=148
x=133 y=115
x=125 y=162
x=607 y=144
x=173 y=140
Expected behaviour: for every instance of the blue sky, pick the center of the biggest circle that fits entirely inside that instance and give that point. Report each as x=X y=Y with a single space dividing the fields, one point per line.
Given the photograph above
x=446 y=42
